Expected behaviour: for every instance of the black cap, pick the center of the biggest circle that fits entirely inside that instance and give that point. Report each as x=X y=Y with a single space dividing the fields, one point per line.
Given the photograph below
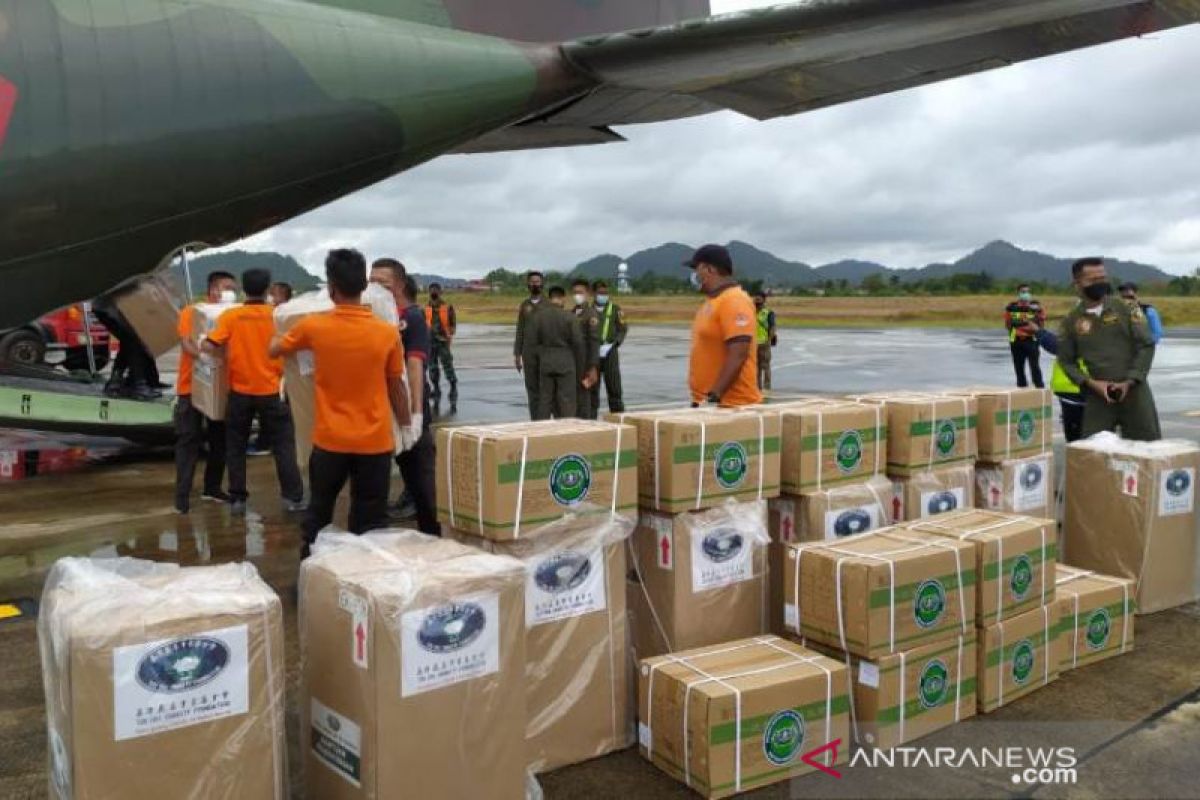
x=1130 y=285
x=713 y=254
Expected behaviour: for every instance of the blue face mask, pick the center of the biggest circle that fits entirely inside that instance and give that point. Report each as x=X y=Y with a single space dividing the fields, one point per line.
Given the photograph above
x=601 y=299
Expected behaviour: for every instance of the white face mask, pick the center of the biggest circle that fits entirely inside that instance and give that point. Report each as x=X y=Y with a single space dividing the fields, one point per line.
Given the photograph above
x=695 y=278
x=228 y=297
x=580 y=299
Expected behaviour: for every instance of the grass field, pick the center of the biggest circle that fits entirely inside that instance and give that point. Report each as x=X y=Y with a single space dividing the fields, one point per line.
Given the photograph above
x=971 y=311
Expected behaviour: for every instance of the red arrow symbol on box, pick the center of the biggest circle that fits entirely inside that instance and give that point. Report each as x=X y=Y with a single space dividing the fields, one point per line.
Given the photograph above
x=665 y=544
x=810 y=758
x=895 y=509
x=787 y=529
x=8 y=101
x=360 y=638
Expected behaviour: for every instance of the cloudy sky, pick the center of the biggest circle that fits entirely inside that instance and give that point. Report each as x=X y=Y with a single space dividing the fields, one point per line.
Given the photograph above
x=1092 y=152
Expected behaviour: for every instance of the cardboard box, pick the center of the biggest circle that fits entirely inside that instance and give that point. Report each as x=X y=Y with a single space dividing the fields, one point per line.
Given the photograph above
x=1131 y=513
x=495 y=481
x=830 y=444
x=702 y=576
x=1020 y=486
x=577 y=672
x=899 y=589
x=1013 y=422
x=774 y=703
x=163 y=681
x=928 y=431
x=913 y=693
x=697 y=459
x=151 y=307
x=210 y=375
x=1014 y=559
x=1018 y=656
x=927 y=494
x=1097 y=616
x=414 y=669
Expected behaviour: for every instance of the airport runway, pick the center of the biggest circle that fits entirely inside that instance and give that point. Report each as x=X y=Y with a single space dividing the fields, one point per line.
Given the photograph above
x=1135 y=720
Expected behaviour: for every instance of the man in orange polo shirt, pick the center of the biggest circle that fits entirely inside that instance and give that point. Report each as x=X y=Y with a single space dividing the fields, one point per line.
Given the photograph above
x=723 y=366
x=358 y=367
x=242 y=336
x=191 y=427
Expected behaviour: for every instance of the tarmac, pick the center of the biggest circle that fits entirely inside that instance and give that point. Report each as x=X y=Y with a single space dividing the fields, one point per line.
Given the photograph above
x=1133 y=722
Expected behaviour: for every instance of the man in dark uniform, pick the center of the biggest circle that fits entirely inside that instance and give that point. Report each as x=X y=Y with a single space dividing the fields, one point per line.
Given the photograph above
x=1113 y=341
x=612 y=336
x=559 y=342
x=443 y=324
x=1023 y=319
x=524 y=353
x=589 y=328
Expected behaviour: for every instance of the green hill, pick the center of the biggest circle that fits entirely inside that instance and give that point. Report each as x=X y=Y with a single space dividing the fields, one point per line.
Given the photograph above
x=282 y=268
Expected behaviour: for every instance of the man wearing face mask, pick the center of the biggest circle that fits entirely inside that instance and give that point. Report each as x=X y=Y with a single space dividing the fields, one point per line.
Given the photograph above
x=443 y=324
x=556 y=334
x=723 y=364
x=612 y=336
x=1114 y=344
x=765 y=338
x=1024 y=319
x=525 y=355
x=589 y=327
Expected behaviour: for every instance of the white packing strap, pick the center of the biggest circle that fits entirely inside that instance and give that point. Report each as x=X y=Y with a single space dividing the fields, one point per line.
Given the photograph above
x=891 y=599
x=1045 y=415
x=1077 y=574
x=1045 y=562
x=1008 y=426
x=1000 y=668
x=989 y=528
x=616 y=471
x=762 y=454
x=1046 y=646
x=520 y=488
x=958 y=680
x=612 y=647
x=700 y=469
x=999 y=578
x=932 y=430
x=278 y=724
x=962 y=590
x=658 y=467
x=1075 y=635
x=815 y=661
x=820 y=446
x=450 y=475
x=850 y=694
x=878 y=439
x=903 y=689
x=646 y=594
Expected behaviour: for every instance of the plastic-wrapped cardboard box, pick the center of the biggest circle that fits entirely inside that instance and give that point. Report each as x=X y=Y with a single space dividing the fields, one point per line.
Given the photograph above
x=830 y=444
x=151 y=307
x=414 y=669
x=497 y=481
x=928 y=431
x=1014 y=559
x=163 y=681
x=881 y=592
x=577 y=670
x=1131 y=513
x=697 y=459
x=701 y=576
x=913 y=693
x=927 y=494
x=1019 y=486
x=1018 y=656
x=1097 y=616
x=1013 y=422
x=210 y=374
x=742 y=715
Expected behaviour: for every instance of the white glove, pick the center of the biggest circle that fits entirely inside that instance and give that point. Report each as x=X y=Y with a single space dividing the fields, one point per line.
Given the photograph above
x=411 y=434
x=605 y=349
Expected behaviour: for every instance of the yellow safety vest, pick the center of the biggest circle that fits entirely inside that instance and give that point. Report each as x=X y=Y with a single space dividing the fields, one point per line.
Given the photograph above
x=1060 y=383
x=764 y=330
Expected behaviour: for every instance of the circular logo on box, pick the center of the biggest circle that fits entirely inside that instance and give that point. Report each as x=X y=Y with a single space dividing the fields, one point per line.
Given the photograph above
x=183 y=664
x=934 y=684
x=333 y=723
x=929 y=603
x=783 y=737
x=1022 y=661
x=1031 y=477
x=570 y=480
x=946 y=437
x=1026 y=425
x=1021 y=578
x=848 y=523
x=451 y=627
x=849 y=451
x=942 y=502
x=1098 y=626
x=1178 y=482
x=731 y=464
x=562 y=572
x=722 y=545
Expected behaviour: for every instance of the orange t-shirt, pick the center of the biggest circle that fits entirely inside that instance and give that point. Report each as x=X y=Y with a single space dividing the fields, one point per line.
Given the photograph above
x=245 y=332
x=183 y=384
x=730 y=314
x=354 y=355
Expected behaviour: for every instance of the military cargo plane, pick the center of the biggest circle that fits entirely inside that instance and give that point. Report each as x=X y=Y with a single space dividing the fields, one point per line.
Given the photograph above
x=132 y=128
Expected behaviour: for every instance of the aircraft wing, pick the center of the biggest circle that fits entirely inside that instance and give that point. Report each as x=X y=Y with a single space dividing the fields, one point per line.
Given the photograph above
x=789 y=59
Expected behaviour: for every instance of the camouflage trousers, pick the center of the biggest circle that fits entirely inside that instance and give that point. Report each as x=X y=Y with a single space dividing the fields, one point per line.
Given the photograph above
x=440 y=358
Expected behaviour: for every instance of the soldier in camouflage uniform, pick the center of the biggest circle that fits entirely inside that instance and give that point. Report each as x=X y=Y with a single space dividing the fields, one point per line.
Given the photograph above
x=589 y=325
x=525 y=354
x=1112 y=340
x=559 y=341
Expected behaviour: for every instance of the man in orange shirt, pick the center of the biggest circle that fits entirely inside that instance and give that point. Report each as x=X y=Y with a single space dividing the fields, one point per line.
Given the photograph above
x=358 y=368
x=723 y=366
x=242 y=336
x=191 y=427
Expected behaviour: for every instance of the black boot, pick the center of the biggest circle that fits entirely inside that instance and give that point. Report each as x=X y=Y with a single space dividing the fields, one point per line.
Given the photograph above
x=453 y=392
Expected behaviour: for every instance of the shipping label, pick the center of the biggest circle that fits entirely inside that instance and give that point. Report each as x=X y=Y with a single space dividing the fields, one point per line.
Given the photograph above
x=174 y=683
x=720 y=557
x=943 y=500
x=1177 y=492
x=564 y=584
x=337 y=742
x=849 y=521
x=450 y=643
x=868 y=674
x=1031 y=486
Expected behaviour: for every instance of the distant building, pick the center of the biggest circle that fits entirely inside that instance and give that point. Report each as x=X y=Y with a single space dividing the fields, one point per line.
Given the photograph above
x=480 y=286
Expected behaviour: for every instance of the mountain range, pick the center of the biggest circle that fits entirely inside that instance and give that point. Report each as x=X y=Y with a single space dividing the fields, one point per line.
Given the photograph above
x=1000 y=259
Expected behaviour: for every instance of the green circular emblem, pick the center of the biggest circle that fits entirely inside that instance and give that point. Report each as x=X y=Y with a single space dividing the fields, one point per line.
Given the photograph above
x=730 y=465
x=929 y=603
x=934 y=684
x=1022 y=661
x=570 y=480
x=946 y=437
x=1098 y=626
x=1025 y=427
x=782 y=737
x=1021 y=578
x=849 y=451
